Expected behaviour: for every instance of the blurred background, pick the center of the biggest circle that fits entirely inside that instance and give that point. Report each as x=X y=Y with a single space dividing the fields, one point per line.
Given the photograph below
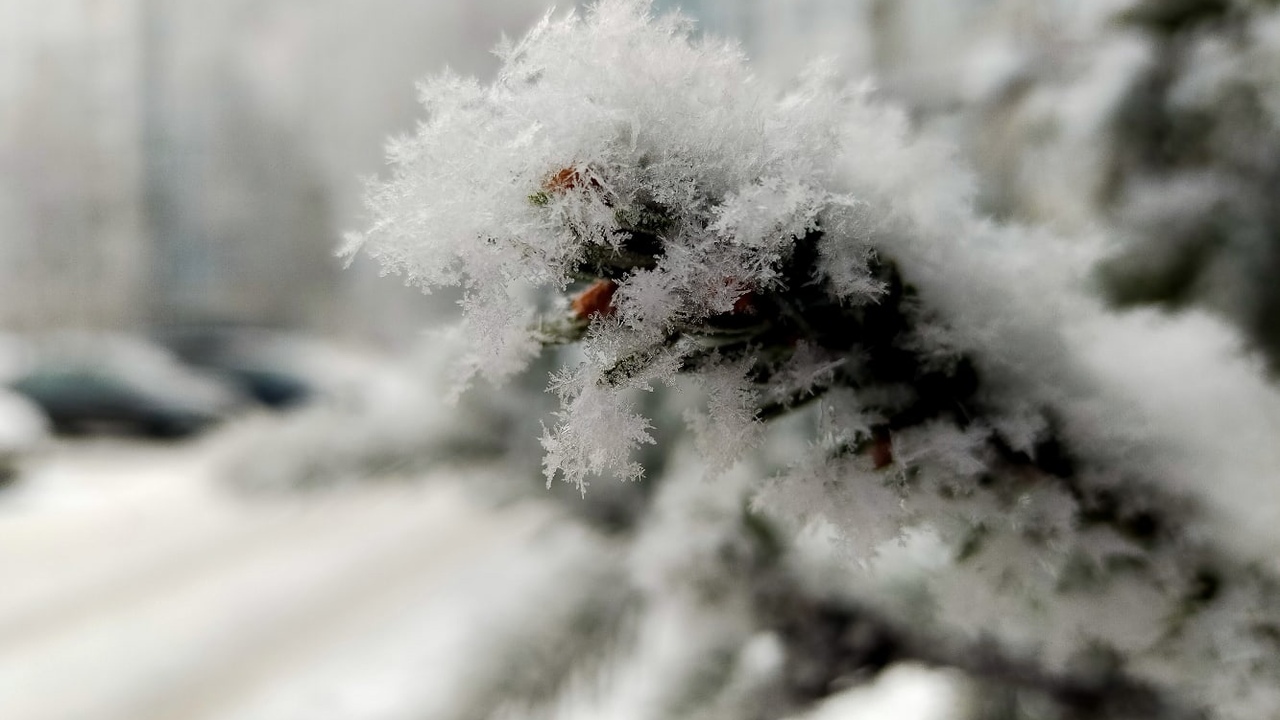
x=184 y=362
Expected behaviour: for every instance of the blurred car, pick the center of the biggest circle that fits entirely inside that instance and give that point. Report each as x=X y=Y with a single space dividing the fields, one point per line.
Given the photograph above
x=269 y=367
x=118 y=384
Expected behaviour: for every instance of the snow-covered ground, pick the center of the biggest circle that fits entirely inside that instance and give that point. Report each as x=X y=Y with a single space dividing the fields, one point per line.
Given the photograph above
x=135 y=588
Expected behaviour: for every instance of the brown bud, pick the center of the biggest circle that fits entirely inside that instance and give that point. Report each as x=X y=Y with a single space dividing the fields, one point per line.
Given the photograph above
x=567 y=179
x=880 y=449
x=595 y=300
x=745 y=304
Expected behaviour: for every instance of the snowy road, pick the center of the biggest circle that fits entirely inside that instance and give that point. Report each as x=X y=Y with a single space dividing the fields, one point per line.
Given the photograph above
x=134 y=589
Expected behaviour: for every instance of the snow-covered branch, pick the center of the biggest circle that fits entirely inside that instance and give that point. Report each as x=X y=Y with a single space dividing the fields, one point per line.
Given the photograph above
x=629 y=187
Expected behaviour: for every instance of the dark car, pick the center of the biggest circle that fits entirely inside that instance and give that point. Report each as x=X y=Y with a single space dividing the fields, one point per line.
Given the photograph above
x=266 y=366
x=122 y=386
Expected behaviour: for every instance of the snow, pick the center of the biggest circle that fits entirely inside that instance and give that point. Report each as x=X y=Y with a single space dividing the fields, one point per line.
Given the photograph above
x=906 y=691
x=135 y=588
x=22 y=426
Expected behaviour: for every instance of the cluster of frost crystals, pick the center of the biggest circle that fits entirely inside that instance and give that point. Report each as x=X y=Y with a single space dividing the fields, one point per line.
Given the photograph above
x=598 y=427
x=603 y=131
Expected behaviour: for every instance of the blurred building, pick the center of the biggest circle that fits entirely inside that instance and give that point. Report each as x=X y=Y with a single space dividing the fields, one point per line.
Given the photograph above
x=175 y=161
x=71 y=170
